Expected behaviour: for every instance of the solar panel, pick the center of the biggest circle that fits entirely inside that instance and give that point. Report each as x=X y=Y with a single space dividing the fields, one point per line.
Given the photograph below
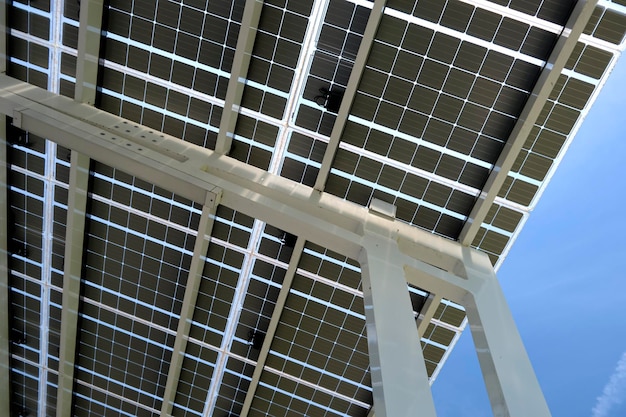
x=413 y=106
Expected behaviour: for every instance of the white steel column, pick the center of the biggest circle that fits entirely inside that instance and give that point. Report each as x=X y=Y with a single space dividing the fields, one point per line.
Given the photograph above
x=348 y=96
x=399 y=377
x=511 y=383
x=550 y=74
x=274 y=321
x=238 y=74
x=200 y=249
x=85 y=92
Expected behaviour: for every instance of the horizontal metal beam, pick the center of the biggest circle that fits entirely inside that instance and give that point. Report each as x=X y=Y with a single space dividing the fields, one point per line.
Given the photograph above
x=193 y=171
x=548 y=78
x=348 y=97
x=238 y=74
x=198 y=261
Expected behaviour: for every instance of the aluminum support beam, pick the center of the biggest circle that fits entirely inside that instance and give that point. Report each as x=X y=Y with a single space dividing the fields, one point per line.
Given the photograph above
x=429 y=309
x=548 y=78
x=5 y=359
x=90 y=22
x=511 y=384
x=239 y=72
x=192 y=171
x=72 y=272
x=198 y=261
x=399 y=377
x=348 y=97
x=271 y=329
x=88 y=54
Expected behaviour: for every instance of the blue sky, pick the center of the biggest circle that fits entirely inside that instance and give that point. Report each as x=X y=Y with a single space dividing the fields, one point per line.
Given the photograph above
x=565 y=280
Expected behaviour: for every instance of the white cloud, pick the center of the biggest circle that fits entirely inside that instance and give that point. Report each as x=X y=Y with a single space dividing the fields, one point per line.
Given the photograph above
x=614 y=391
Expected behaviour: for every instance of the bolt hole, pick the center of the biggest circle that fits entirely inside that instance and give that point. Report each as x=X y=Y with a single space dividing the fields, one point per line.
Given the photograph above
x=128 y=144
x=102 y=133
x=128 y=131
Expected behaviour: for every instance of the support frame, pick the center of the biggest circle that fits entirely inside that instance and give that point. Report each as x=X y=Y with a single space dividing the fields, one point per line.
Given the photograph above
x=530 y=113
x=443 y=267
x=89 y=31
x=201 y=246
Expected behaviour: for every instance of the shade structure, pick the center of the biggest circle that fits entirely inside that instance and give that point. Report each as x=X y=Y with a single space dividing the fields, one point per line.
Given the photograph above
x=451 y=111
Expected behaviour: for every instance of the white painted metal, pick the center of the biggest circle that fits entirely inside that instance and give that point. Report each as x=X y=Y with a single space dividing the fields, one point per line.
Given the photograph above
x=558 y=58
x=239 y=71
x=189 y=301
x=89 y=37
x=191 y=170
x=85 y=92
x=509 y=377
x=428 y=311
x=348 y=97
x=387 y=248
x=5 y=364
x=245 y=275
x=399 y=378
x=271 y=328
x=72 y=269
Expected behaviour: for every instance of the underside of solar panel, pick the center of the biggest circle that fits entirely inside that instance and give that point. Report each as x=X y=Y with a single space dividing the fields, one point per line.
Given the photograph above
x=449 y=116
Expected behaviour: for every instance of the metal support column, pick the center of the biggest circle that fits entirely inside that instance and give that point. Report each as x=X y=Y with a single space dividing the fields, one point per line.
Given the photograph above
x=511 y=383
x=200 y=249
x=399 y=377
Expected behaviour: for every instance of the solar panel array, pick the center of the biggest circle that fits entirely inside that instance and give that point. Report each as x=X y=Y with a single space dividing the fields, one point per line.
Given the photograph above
x=442 y=86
